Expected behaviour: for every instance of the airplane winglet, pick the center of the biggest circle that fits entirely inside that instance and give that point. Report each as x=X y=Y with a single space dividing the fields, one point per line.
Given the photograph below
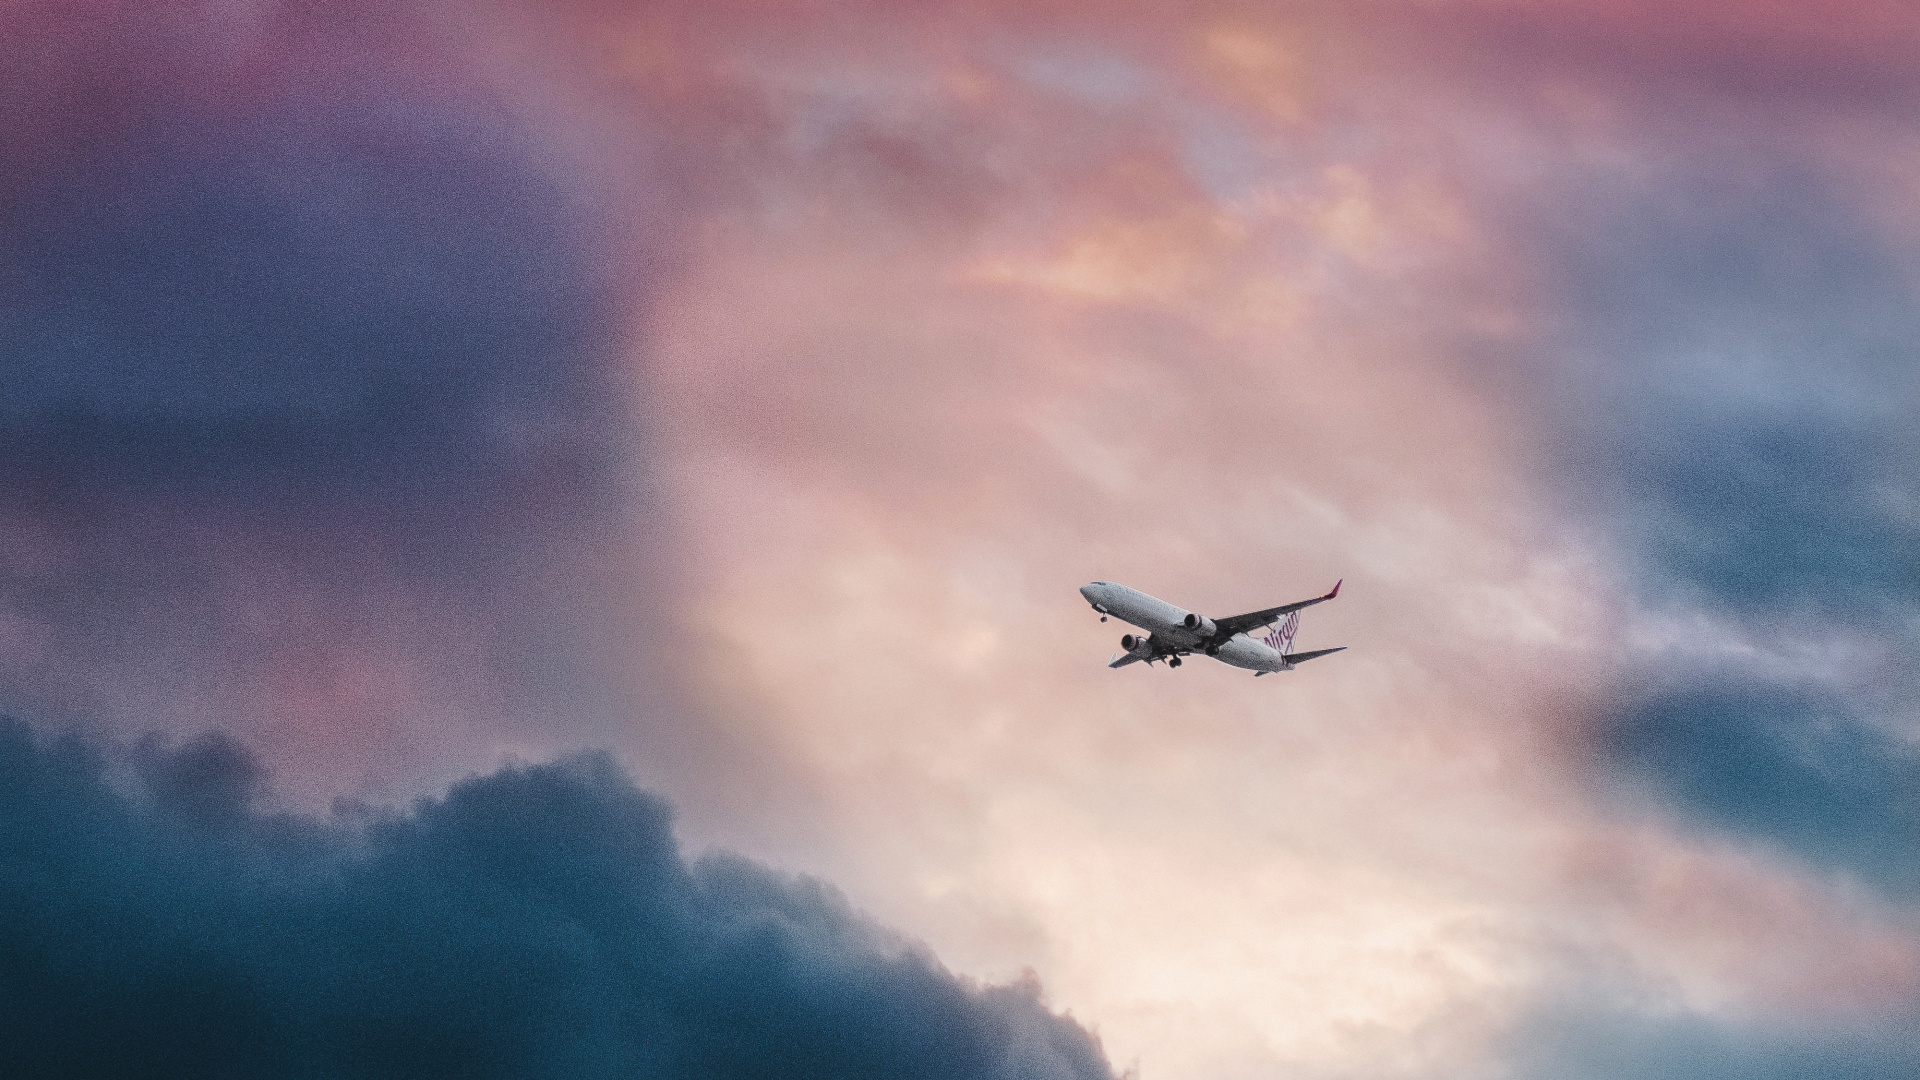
x=1336 y=590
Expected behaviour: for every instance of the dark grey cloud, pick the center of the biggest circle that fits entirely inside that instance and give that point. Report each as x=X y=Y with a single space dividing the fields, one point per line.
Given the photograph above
x=538 y=921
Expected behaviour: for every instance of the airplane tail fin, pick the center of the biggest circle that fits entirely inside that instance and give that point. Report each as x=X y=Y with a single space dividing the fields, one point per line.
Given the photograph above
x=1280 y=638
x=1302 y=657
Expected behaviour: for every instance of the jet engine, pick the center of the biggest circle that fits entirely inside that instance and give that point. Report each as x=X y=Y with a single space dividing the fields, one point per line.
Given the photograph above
x=1137 y=644
x=1198 y=624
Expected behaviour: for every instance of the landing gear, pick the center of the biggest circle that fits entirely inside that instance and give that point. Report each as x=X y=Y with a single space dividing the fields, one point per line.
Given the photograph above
x=1103 y=618
x=1175 y=662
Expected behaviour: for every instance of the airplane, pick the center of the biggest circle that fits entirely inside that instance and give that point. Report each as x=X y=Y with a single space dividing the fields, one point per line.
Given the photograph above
x=1173 y=633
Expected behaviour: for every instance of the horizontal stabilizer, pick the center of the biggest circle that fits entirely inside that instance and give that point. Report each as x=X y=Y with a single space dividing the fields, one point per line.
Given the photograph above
x=1302 y=657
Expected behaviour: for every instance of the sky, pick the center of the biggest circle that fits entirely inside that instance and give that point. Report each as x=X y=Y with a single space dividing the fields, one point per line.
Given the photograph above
x=572 y=510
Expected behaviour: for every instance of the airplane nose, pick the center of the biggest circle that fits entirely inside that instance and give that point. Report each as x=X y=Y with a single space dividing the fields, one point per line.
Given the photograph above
x=1086 y=592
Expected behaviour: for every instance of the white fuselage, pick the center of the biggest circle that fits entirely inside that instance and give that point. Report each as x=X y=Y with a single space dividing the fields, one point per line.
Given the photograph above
x=1168 y=625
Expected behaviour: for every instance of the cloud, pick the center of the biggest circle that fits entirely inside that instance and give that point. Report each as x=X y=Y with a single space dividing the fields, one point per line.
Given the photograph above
x=1792 y=765
x=538 y=921
x=1589 y=1041
x=326 y=437
x=1731 y=376
x=296 y=304
x=1735 y=363
x=346 y=283
x=1742 y=392
x=318 y=423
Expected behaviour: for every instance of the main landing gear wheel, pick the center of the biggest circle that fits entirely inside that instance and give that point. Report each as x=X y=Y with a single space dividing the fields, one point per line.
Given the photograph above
x=1175 y=662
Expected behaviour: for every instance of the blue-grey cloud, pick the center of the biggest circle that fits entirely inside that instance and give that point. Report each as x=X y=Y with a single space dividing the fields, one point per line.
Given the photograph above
x=315 y=382
x=335 y=277
x=1741 y=340
x=538 y=921
x=1734 y=379
x=1789 y=766
x=1590 y=1041
x=1746 y=346
x=384 y=330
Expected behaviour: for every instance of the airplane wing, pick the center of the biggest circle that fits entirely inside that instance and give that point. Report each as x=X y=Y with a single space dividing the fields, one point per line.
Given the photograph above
x=1303 y=657
x=1124 y=659
x=1240 y=624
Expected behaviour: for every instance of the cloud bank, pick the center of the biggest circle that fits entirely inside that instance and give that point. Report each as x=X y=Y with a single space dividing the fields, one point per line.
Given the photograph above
x=376 y=367
x=538 y=921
